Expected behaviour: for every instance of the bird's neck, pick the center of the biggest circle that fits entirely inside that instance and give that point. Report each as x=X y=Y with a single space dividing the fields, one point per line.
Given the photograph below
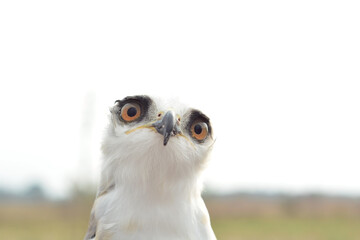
x=154 y=191
x=153 y=182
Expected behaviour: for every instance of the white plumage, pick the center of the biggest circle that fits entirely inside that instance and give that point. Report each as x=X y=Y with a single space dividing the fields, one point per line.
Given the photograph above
x=150 y=189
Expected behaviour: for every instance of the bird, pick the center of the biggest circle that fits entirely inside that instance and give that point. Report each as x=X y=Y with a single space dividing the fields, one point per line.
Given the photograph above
x=153 y=154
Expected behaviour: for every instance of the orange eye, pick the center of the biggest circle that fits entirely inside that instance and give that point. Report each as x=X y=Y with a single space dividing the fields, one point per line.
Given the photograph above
x=130 y=112
x=199 y=130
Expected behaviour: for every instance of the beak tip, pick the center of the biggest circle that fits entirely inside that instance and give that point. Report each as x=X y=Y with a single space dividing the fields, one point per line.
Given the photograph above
x=166 y=139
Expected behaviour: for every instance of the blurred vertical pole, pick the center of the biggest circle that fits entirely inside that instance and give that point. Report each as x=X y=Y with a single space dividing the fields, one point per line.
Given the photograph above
x=84 y=178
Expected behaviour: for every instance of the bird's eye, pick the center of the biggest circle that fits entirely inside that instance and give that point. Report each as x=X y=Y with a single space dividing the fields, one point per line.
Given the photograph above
x=199 y=130
x=130 y=112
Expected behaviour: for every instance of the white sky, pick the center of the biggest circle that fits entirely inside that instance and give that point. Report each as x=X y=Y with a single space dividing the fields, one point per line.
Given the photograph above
x=279 y=79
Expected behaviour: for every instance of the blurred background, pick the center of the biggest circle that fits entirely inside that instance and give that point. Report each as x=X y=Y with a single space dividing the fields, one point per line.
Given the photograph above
x=280 y=81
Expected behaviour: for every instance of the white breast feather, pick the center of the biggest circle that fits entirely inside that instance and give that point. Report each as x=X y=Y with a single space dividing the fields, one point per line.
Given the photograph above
x=157 y=193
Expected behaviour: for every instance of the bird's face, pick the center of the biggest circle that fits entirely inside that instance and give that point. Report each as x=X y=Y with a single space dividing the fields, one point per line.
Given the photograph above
x=149 y=136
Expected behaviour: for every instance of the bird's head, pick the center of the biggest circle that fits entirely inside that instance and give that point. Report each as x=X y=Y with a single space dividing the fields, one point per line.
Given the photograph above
x=149 y=138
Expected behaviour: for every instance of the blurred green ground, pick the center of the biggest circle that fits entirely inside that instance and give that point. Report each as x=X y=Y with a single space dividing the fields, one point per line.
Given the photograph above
x=68 y=221
x=260 y=228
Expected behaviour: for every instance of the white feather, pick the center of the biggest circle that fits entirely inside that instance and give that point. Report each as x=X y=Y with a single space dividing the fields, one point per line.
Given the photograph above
x=157 y=193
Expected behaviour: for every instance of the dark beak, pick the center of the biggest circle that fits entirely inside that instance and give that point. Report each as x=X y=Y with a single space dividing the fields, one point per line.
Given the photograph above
x=167 y=126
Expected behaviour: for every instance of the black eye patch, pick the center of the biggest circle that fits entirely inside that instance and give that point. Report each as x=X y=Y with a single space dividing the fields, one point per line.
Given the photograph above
x=198 y=116
x=142 y=100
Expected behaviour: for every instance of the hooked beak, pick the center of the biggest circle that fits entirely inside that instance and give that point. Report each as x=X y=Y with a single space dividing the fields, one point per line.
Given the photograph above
x=167 y=126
